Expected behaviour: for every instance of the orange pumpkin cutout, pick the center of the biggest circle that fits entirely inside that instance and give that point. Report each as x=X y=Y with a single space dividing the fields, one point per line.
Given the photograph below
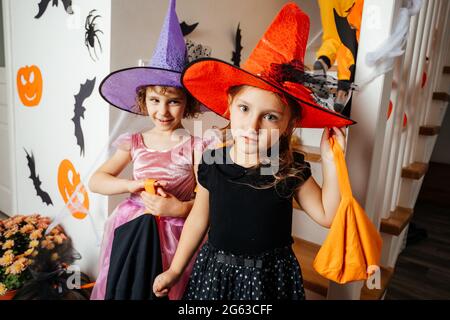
x=67 y=186
x=29 y=85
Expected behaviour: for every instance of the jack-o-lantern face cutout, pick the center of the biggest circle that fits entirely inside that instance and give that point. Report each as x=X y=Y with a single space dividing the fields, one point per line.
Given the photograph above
x=29 y=85
x=68 y=181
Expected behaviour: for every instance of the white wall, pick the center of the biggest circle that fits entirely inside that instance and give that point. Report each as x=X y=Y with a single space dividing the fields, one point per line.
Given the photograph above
x=56 y=44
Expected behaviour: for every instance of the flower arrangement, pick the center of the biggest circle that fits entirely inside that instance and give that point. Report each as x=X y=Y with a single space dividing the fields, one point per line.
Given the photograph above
x=22 y=238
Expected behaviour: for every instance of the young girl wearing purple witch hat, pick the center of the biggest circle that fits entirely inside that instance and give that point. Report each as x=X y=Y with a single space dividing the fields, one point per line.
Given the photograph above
x=136 y=246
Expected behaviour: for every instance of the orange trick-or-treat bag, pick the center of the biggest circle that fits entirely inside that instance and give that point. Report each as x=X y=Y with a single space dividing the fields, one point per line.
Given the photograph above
x=352 y=248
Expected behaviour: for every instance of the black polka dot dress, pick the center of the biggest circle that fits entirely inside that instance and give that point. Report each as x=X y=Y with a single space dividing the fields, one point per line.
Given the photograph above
x=248 y=254
x=221 y=276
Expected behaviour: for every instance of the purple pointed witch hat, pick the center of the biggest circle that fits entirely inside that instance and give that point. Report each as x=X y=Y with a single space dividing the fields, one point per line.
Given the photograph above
x=169 y=58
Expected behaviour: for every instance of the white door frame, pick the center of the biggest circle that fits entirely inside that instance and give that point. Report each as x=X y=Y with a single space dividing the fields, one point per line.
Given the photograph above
x=11 y=207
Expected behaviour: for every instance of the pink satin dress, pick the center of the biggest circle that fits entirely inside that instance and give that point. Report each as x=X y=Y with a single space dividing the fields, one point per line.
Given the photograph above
x=175 y=166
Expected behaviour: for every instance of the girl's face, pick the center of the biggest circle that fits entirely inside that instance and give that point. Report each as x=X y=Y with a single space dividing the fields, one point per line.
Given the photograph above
x=165 y=107
x=257 y=119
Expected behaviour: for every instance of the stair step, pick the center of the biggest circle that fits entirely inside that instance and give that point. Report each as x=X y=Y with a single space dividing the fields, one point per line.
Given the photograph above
x=446 y=69
x=415 y=170
x=442 y=96
x=429 y=130
x=397 y=221
x=377 y=294
x=312 y=154
x=305 y=252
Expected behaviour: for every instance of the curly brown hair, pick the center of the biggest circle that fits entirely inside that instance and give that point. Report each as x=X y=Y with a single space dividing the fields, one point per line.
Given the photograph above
x=286 y=166
x=192 y=106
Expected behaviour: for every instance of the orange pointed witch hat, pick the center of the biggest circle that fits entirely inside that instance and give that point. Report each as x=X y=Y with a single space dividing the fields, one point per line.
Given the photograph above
x=352 y=249
x=276 y=64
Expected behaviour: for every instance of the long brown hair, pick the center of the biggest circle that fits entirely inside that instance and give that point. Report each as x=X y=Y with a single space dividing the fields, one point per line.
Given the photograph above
x=286 y=167
x=192 y=106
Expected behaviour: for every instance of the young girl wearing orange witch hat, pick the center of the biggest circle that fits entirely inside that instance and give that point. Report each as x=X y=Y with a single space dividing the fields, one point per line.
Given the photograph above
x=248 y=254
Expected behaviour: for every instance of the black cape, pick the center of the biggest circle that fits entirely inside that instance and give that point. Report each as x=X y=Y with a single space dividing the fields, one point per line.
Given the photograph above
x=135 y=260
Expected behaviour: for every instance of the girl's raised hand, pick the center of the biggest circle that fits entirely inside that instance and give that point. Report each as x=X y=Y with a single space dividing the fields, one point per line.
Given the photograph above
x=135 y=185
x=163 y=282
x=325 y=147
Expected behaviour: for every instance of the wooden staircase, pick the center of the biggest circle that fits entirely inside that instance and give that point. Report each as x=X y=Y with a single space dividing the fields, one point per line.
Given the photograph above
x=398 y=153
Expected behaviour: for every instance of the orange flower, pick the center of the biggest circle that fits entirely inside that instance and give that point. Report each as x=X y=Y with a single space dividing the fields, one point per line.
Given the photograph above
x=32 y=219
x=58 y=239
x=47 y=244
x=27 y=228
x=9 y=223
x=12 y=231
x=18 y=219
x=36 y=234
x=43 y=225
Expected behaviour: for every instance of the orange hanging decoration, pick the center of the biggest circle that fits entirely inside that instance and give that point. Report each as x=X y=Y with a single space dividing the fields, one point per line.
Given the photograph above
x=352 y=249
x=67 y=186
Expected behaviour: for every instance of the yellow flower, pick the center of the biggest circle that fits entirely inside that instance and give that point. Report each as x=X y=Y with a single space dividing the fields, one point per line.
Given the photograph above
x=15 y=268
x=7 y=259
x=3 y=289
x=18 y=266
x=36 y=234
x=28 y=252
x=33 y=244
x=8 y=244
x=55 y=256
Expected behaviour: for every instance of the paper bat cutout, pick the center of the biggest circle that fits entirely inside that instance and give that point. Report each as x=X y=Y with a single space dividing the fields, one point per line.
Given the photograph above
x=85 y=91
x=43 y=4
x=236 y=58
x=36 y=181
x=187 y=28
